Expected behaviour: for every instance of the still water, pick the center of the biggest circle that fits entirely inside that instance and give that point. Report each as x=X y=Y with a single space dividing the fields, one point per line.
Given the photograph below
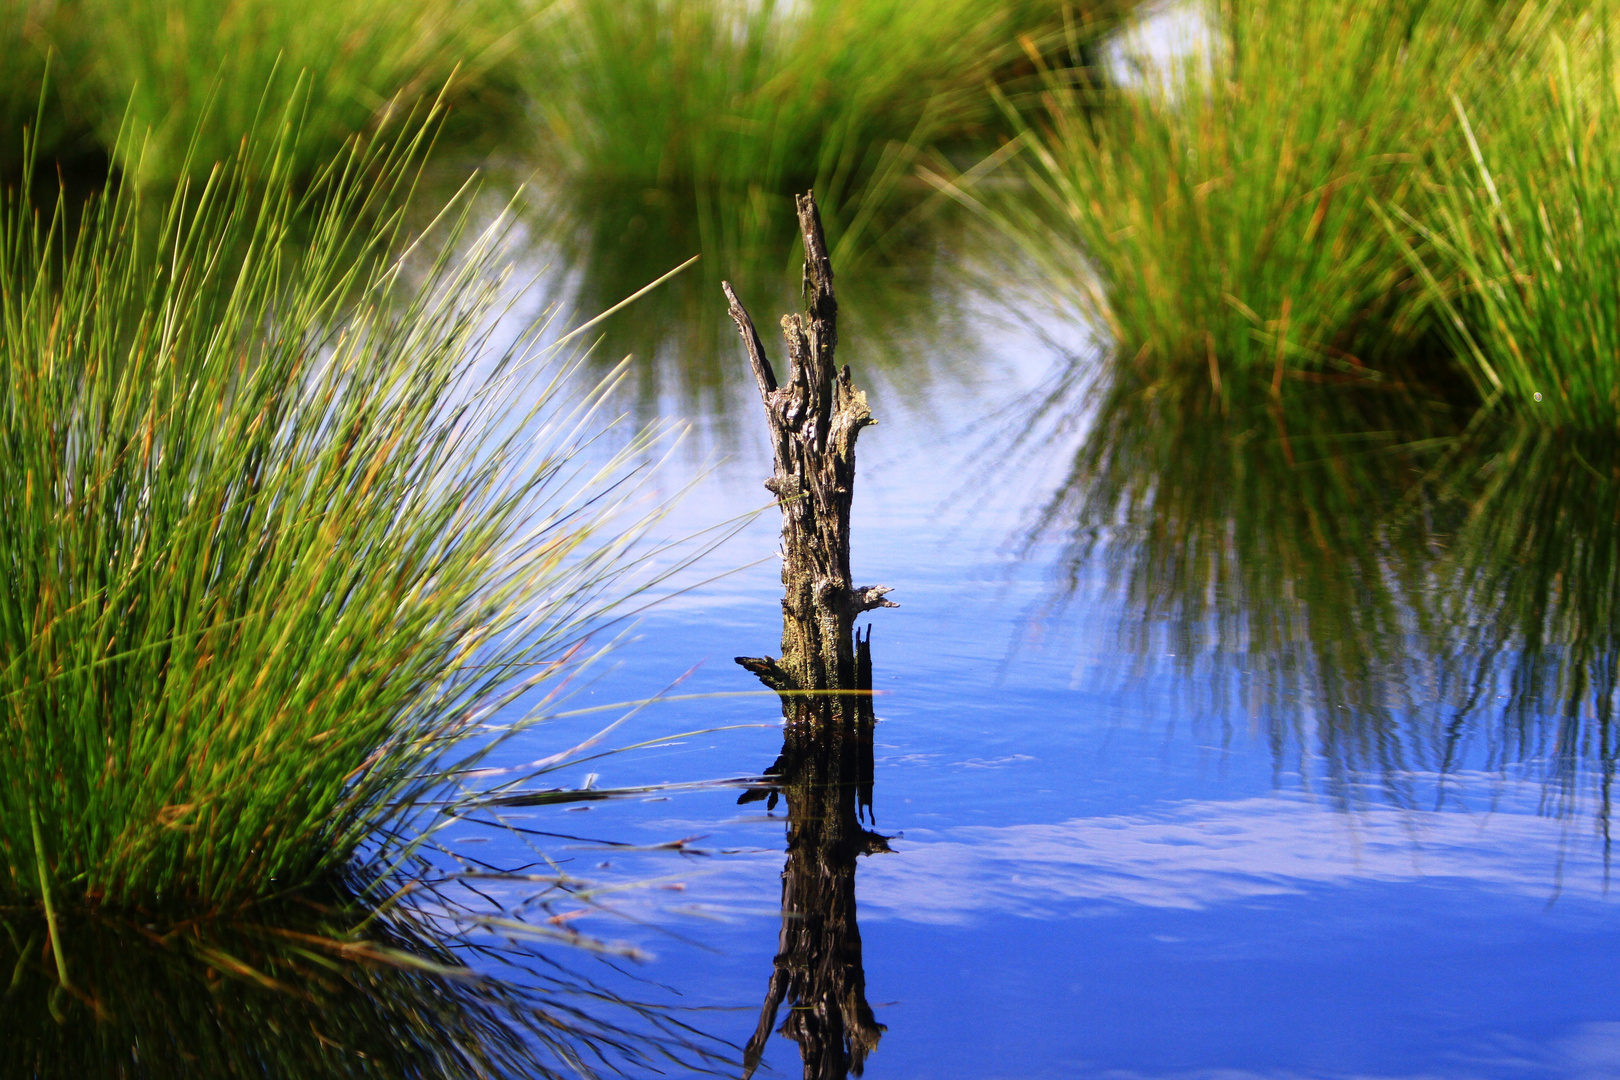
x=1209 y=746
x=1251 y=762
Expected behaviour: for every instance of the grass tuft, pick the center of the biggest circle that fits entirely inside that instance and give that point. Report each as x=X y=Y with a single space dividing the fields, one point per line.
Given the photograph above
x=1218 y=218
x=196 y=75
x=280 y=527
x=1525 y=233
x=769 y=96
x=202 y=70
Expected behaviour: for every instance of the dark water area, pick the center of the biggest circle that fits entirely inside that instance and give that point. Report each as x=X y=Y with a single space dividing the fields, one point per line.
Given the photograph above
x=1268 y=744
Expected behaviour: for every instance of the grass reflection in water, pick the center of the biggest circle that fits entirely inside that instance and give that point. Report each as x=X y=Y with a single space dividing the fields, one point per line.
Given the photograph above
x=899 y=257
x=1529 y=592
x=320 y=989
x=1388 y=598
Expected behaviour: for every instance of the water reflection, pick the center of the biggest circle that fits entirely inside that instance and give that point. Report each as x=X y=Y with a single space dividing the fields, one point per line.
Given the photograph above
x=317 y=990
x=904 y=289
x=824 y=774
x=1384 y=594
x=1264 y=548
x=1530 y=594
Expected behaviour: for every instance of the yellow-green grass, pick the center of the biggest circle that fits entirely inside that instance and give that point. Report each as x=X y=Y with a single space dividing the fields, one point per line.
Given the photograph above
x=194 y=74
x=280 y=533
x=1522 y=231
x=26 y=95
x=20 y=90
x=654 y=92
x=735 y=95
x=1221 y=219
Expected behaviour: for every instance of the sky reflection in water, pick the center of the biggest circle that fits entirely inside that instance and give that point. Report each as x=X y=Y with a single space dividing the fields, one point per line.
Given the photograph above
x=1285 y=822
x=1254 y=763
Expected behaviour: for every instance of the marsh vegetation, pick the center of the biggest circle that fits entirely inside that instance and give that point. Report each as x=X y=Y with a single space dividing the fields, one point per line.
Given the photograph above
x=312 y=517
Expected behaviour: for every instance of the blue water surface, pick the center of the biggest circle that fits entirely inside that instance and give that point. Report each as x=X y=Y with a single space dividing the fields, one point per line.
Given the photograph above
x=1101 y=867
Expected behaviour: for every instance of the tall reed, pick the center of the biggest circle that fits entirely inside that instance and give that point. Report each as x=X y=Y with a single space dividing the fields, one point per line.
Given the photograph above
x=1525 y=231
x=280 y=528
x=1219 y=218
x=201 y=71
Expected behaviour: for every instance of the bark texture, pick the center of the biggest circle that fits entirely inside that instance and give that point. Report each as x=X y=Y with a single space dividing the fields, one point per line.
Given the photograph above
x=814 y=418
x=825 y=769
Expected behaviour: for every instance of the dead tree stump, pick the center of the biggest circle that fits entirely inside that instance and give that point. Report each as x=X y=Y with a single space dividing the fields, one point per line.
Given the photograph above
x=814 y=420
x=825 y=769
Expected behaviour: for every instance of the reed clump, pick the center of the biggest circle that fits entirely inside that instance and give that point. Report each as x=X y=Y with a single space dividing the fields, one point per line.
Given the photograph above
x=196 y=75
x=1523 y=234
x=769 y=96
x=280 y=530
x=1218 y=216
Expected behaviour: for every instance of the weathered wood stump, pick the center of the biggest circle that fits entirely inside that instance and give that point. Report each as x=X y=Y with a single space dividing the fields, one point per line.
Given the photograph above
x=824 y=677
x=814 y=420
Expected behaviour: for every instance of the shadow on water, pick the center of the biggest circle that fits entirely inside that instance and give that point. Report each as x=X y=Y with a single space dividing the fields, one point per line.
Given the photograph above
x=1387 y=598
x=824 y=775
x=320 y=990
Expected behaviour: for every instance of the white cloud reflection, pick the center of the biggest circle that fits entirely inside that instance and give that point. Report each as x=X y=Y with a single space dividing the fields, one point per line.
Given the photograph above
x=1589 y=1051
x=1592 y=1052
x=1198 y=854
x=1187 y=856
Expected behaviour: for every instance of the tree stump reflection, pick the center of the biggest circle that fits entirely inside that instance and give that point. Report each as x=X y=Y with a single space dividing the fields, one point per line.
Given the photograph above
x=824 y=774
x=824 y=677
